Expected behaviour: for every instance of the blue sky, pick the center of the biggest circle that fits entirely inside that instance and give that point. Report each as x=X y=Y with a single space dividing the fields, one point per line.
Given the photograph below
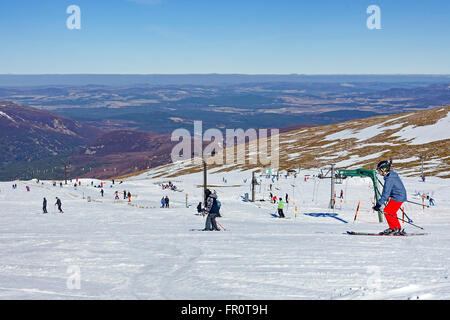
x=215 y=36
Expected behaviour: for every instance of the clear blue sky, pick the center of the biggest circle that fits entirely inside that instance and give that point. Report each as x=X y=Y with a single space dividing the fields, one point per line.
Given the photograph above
x=225 y=36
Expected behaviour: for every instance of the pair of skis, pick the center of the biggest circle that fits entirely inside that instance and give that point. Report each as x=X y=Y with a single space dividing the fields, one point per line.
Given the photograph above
x=208 y=230
x=354 y=233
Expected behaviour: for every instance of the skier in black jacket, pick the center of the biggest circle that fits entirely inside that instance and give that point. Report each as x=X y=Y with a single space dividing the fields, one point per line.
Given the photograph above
x=212 y=209
x=59 y=204
x=44 y=206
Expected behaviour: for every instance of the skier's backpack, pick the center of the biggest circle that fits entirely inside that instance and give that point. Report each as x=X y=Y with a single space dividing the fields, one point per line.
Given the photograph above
x=218 y=204
x=215 y=206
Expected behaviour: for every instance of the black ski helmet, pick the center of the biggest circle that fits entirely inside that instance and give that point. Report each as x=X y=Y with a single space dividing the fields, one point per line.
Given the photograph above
x=384 y=165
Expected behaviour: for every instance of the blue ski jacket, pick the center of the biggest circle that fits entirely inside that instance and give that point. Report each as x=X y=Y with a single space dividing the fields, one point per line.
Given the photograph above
x=211 y=204
x=393 y=188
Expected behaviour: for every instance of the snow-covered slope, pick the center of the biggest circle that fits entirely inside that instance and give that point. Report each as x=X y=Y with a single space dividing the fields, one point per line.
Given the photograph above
x=112 y=249
x=102 y=248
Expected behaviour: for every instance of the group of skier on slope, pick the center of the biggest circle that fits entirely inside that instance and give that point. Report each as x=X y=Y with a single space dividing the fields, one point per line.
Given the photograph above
x=57 y=203
x=394 y=193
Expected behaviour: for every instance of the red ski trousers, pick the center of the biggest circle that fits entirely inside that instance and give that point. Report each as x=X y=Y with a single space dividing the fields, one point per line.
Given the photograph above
x=390 y=212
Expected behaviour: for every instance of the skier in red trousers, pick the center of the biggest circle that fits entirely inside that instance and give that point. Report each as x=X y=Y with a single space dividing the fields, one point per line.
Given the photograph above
x=395 y=191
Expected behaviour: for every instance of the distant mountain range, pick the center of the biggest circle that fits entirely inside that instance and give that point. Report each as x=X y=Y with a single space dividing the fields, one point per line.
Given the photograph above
x=104 y=131
x=164 y=108
x=28 y=134
x=362 y=143
x=37 y=143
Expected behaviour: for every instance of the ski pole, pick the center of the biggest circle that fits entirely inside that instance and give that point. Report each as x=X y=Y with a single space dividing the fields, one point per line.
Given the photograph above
x=419 y=204
x=400 y=219
x=405 y=215
x=220 y=224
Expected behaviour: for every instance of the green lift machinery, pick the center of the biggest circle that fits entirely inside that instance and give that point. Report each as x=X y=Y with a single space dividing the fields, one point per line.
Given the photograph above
x=364 y=173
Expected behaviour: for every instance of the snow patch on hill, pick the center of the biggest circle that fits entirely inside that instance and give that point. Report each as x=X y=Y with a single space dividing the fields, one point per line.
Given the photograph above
x=426 y=134
x=2 y=114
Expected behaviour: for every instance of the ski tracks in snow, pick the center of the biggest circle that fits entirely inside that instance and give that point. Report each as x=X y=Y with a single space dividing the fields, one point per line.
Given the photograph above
x=408 y=292
x=170 y=273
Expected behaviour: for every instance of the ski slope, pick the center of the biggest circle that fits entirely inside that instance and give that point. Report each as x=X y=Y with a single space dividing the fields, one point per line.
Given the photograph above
x=109 y=249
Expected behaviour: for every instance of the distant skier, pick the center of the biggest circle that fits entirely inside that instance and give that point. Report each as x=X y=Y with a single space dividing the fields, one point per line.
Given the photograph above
x=280 y=208
x=129 y=196
x=102 y=192
x=395 y=190
x=431 y=201
x=166 y=200
x=212 y=211
x=44 y=206
x=59 y=204
x=163 y=202
x=199 y=207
